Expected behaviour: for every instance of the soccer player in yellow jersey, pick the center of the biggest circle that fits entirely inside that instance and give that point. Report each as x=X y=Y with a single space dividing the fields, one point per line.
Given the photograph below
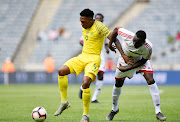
x=88 y=61
x=100 y=75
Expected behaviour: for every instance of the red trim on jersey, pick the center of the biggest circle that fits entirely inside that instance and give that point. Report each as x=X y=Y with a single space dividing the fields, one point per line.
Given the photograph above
x=81 y=40
x=130 y=37
x=119 y=78
x=148 y=46
x=101 y=71
x=118 y=30
x=125 y=35
x=134 y=52
x=145 y=71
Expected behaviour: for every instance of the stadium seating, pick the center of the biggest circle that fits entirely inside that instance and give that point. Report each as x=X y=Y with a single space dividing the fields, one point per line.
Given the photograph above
x=67 y=17
x=158 y=19
x=15 y=16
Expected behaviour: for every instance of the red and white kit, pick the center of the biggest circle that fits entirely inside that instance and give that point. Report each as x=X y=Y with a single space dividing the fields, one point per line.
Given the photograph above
x=103 y=61
x=137 y=53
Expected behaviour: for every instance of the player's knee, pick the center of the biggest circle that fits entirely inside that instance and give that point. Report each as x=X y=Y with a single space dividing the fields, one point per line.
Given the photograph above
x=100 y=76
x=60 y=72
x=86 y=82
x=85 y=85
x=64 y=70
x=150 y=81
x=119 y=83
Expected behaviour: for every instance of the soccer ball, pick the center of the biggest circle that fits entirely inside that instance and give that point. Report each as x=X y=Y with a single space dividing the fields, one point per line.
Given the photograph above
x=39 y=114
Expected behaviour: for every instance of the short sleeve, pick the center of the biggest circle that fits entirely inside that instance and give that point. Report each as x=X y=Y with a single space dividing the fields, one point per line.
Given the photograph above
x=102 y=29
x=148 y=51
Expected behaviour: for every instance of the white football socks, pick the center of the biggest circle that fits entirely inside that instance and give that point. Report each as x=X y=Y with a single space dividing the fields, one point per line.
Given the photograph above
x=155 y=96
x=99 y=84
x=115 y=97
x=81 y=87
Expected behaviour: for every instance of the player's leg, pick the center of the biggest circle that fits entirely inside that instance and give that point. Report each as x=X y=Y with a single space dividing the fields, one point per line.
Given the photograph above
x=115 y=98
x=99 y=81
x=155 y=95
x=80 y=92
x=69 y=67
x=63 y=81
x=63 y=84
x=99 y=84
x=86 y=93
x=86 y=96
x=91 y=70
x=120 y=77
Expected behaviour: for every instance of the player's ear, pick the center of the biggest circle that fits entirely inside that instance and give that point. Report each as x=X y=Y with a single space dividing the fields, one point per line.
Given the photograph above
x=91 y=19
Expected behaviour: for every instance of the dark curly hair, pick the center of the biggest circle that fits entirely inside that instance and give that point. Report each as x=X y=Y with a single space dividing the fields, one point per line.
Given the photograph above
x=87 y=13
x=141 y=34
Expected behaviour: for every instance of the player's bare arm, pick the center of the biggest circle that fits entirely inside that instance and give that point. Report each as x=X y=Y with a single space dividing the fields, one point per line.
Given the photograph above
x=113 y=38
x=128 y=60
x=129 y=67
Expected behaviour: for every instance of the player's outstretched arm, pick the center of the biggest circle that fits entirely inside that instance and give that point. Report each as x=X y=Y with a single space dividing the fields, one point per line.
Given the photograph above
x=116 y=41
x=129 y=67
x=112 y=36
x=128 y=60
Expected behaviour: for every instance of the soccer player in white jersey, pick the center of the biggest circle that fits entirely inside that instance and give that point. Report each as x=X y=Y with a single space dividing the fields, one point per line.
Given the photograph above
x=99 y=82
x=135 y=52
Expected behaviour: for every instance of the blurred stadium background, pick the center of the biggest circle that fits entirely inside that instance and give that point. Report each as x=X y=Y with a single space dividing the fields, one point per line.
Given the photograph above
x=26 y=27
x=31 y=30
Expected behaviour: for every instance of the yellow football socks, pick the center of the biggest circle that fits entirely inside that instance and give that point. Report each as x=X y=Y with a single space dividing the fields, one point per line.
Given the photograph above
x=86 y=100
x=63 y=84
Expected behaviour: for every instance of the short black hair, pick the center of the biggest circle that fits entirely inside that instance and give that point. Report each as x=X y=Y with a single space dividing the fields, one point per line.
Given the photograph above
x=99 y=15
x=87 y=13
x=141 y=34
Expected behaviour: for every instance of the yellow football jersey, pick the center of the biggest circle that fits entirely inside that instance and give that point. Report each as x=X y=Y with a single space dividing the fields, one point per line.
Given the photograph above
x=94 y=37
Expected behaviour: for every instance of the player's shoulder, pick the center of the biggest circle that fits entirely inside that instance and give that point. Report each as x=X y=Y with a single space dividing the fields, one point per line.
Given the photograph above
x=98 y=24
x=101 y=28
x=125 y=31
x=148 y=48
x=125 y=34
x=148 y=43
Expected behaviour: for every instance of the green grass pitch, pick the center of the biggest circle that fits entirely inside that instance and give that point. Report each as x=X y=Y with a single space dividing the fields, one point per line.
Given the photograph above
x=135 y=103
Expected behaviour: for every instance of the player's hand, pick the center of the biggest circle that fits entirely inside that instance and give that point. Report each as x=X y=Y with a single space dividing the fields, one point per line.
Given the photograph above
x=128 y=60
x=112 y=48
x=123 y=68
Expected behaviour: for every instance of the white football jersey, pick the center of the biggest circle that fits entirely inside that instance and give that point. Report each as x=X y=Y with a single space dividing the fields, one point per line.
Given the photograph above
x=137 y=53
x=128 y=47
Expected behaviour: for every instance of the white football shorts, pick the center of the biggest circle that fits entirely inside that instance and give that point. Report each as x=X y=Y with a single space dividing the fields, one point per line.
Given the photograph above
x=145 y=68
